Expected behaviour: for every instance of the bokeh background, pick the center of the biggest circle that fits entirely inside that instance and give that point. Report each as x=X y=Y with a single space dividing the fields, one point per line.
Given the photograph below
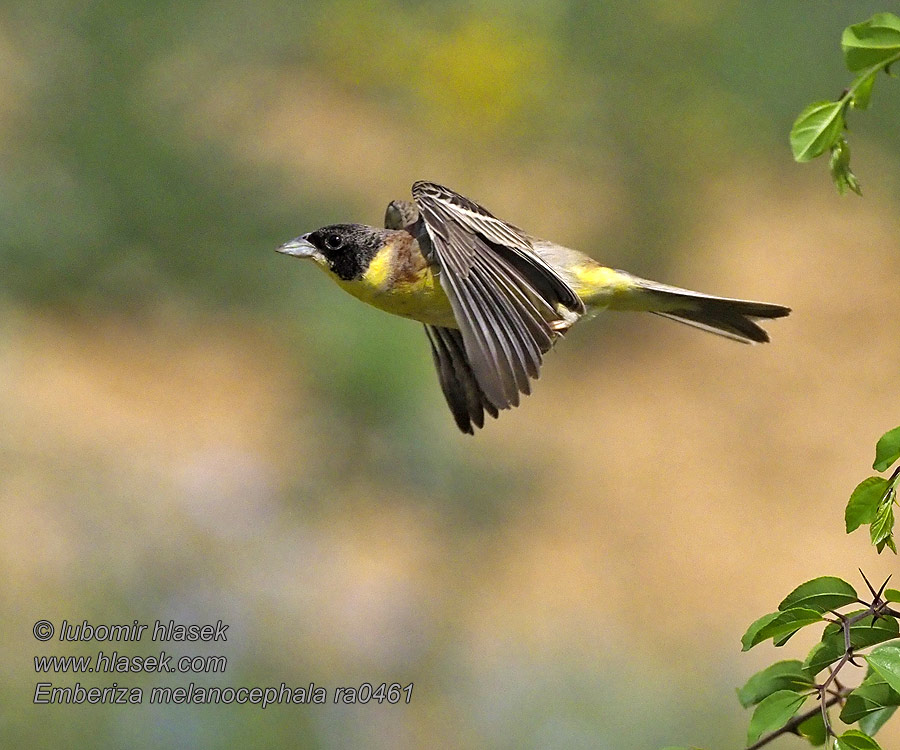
x=193 y=427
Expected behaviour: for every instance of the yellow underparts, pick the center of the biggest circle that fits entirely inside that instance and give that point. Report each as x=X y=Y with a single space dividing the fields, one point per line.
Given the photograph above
x=417 y=295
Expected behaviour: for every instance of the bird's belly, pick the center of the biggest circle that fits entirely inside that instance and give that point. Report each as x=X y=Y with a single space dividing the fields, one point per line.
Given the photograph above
x=420 y=298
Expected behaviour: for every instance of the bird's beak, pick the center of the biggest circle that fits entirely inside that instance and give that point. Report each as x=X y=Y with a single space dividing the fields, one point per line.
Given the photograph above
x=299 y=247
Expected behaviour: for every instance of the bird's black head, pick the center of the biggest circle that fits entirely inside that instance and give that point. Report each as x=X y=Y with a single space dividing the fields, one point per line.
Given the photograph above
x=345 y=249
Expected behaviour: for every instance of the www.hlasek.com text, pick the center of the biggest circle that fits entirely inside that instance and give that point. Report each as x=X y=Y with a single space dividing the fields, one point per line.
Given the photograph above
x=118 y=663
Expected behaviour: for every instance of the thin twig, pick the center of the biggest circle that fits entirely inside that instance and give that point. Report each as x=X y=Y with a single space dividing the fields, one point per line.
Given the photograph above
x=791 y=726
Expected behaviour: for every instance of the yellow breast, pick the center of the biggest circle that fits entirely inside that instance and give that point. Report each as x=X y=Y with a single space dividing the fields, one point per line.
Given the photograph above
x=391 y=283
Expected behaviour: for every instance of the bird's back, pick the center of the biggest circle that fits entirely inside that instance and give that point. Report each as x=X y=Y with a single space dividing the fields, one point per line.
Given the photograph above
x=597 y=285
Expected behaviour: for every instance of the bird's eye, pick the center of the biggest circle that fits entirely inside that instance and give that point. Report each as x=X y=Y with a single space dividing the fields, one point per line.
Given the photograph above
x=334 y=241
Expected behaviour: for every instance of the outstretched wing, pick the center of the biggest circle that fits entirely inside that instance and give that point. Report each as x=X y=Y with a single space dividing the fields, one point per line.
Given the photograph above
x=464 y=396
x=506 y=299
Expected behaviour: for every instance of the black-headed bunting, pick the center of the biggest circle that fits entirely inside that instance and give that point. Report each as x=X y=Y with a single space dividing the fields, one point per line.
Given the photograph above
x=494 y=299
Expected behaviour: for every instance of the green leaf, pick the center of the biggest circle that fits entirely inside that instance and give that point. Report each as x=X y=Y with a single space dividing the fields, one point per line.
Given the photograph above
x=773 y=713
x=886 y=542
x=813 y=729
x=885 y=660
x=864 y=502
x=873 y=694
x=823 y=654
x=862 y=634
x=883 y=526
x=782 y=675
x=887 y=450
x=820 y=595
x=862 y=91
x=777 y=625
x=839 y=166
x=817 y=129
x=749 y=639
x=892 y=595
x=871 y=723
x=853 y=739
x=871 y=42
x=867 y=633
x=779 y=642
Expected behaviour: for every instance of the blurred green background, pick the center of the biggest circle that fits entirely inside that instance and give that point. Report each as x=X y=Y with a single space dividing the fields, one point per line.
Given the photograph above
x=194 y=427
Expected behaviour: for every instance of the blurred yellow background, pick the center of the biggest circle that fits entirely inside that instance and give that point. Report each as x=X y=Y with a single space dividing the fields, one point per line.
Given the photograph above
x=196 y=428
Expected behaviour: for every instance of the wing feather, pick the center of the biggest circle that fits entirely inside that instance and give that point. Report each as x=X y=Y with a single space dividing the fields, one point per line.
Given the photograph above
x=465 y=398
x=506 y=299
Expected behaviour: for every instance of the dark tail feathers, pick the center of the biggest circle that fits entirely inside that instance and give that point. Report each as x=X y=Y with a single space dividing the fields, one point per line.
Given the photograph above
x=732 y=318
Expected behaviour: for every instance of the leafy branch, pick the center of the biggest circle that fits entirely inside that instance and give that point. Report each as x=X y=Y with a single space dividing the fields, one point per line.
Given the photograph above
x=869 y=48
x=780 y=691
x=794 y=724
x=873 y=500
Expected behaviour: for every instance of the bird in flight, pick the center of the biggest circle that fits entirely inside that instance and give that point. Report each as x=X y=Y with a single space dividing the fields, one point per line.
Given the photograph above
x=493 y=298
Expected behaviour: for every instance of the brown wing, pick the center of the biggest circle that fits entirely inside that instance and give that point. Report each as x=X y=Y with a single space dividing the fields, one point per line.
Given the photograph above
x=505 y=298
x=466 y=400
